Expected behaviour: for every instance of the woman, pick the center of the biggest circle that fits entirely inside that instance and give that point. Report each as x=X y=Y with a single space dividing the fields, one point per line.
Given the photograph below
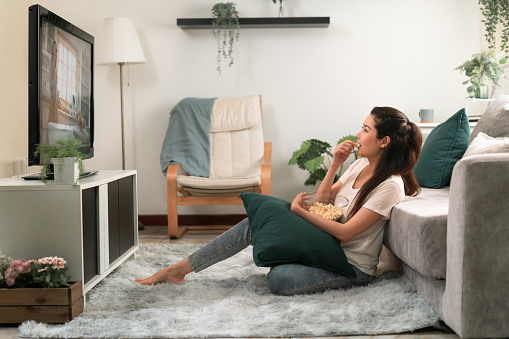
x=388 y=146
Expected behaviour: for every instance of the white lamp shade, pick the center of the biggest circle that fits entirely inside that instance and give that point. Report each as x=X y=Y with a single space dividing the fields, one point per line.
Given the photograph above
x=119 y=42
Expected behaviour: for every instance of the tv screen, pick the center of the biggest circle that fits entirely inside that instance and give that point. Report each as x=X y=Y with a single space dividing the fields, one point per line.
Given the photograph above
x=60 y=82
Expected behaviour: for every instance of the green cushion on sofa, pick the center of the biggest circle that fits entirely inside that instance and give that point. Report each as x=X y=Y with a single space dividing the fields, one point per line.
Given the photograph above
x=282 y=237
x=444 y=146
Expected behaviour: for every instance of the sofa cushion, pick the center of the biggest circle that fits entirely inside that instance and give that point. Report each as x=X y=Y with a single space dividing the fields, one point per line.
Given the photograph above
x=444 y=146
x=282 y=237
x=417 y=232
x=495 y=119
x=484 y=144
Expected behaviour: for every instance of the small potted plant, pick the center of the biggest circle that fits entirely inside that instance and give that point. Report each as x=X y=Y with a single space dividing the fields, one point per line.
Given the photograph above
x=311 y=157
x=38 y=289
x=47 y=272
x=225 y=27
x=66 y=159
x=481 y=67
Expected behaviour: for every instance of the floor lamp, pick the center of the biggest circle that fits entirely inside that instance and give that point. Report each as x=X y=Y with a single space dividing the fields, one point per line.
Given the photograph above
x=120 y=44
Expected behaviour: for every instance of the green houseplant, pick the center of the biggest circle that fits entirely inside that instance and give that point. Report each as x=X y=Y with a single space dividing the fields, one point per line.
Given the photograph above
x=481 y=67
x=496 y=12
x=62 y=152
x=225 y=27
x=311 y=157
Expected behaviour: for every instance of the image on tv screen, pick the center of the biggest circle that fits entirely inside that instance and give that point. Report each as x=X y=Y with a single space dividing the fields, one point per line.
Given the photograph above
x=65 y=87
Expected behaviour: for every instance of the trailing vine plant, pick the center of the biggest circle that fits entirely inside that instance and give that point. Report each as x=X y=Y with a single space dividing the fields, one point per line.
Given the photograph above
x=496 y=12
x=225 y=27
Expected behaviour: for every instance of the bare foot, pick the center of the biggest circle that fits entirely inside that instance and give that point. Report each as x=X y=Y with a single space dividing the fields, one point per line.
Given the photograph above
x=174 y=274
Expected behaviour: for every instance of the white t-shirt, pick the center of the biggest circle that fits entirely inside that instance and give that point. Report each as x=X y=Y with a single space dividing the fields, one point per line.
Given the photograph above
x=363 y=250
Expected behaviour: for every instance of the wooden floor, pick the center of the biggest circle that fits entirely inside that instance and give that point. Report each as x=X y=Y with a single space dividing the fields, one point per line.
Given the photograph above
x=195 y=235
x=202 y=235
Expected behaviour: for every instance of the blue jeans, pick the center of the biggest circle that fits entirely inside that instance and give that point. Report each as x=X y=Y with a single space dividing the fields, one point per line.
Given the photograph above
x=287 y=279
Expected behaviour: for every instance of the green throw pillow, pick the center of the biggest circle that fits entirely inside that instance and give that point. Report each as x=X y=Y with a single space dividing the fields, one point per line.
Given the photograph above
x=444 y=146
x=282 y=237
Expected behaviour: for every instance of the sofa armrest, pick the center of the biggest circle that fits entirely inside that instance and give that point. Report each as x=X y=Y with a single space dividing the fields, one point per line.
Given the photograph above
x=476 y=302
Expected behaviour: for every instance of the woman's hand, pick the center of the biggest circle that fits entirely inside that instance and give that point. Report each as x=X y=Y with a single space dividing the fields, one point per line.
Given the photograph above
x=299 y=204
x=342 y=151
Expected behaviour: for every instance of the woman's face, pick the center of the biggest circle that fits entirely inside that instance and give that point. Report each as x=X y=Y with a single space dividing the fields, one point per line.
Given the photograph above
x=368 y=144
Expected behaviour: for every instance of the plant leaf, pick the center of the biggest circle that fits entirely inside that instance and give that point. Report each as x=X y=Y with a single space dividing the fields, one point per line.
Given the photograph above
x=348 y=137
x=314 y=164
x=303 y=148
x=310 y=149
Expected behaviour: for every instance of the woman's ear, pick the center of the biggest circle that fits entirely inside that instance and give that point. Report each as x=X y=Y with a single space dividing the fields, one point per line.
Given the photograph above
x=385 y=141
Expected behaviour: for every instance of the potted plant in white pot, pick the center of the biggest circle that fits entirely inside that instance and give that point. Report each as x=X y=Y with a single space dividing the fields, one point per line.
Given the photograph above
x=66 y=159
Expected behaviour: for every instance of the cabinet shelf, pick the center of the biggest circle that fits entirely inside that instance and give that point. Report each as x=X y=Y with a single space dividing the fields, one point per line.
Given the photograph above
x=92 y=226
x=274 y=22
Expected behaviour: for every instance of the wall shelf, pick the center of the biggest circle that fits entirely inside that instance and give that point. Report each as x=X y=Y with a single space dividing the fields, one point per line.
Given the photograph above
x=274 y=22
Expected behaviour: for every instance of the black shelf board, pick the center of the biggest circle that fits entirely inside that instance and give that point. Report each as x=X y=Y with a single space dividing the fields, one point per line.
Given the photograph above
x=274 y=22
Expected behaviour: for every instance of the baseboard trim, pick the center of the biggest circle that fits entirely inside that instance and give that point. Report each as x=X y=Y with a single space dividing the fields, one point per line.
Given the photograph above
x=192 y=219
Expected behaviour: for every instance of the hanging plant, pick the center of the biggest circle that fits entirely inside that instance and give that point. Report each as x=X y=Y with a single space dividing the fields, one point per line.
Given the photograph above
x=225 y=27
x=281 y=14
x=496 y=12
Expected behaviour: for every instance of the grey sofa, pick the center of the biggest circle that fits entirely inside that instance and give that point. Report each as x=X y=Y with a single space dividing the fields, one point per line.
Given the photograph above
x=453 y=242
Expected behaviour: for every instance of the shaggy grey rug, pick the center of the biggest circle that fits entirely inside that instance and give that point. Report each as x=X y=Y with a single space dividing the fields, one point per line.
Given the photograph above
x=231 y=299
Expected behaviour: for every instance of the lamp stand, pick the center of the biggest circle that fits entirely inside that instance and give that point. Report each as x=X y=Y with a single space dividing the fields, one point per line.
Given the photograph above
x=121 y=64
x=122 y=113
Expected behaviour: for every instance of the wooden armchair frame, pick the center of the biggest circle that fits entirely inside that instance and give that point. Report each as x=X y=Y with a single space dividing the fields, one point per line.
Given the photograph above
x=174 y=232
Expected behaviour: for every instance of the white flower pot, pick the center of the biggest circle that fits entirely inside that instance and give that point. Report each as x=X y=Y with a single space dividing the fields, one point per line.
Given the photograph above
x=66 y=171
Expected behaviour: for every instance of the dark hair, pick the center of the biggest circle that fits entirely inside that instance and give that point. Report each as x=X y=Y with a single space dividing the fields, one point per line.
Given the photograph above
x=399 y=157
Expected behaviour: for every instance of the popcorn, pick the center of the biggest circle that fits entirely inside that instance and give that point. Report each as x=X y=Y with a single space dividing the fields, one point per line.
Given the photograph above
x=327 y=211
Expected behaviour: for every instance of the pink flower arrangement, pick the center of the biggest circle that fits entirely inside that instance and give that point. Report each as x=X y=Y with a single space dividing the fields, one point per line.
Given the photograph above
x=47 y=272
x=16 y=268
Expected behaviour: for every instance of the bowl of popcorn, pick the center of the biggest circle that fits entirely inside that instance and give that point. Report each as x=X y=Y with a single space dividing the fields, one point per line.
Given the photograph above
x=326 y=210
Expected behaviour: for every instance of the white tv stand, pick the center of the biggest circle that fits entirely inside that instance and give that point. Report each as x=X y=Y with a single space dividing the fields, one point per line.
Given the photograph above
x=93 y=226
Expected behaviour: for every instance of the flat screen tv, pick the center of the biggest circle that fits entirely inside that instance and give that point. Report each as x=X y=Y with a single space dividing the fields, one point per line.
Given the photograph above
x=60 y=82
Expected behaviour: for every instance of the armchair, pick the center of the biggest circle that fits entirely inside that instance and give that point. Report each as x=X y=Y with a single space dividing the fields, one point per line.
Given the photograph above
x=240 y=160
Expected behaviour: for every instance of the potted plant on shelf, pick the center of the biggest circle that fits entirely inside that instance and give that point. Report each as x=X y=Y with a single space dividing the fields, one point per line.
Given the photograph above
x=66 y=159
x=38 y=290
x=225 y=27
x=311 y=157
x=484 y=66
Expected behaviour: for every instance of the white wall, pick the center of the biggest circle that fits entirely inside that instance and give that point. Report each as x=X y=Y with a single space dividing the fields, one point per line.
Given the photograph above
x=315 y=82
x=13 y=83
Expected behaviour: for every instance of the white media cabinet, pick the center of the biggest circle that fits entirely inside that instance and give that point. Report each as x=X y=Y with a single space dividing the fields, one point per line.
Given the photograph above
x=93 y=226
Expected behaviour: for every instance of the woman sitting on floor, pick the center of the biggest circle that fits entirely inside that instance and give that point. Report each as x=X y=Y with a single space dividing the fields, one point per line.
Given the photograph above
x=388 y=146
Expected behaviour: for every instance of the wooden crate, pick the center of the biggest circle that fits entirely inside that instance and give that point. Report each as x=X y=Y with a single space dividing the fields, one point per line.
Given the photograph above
x=46 y=305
